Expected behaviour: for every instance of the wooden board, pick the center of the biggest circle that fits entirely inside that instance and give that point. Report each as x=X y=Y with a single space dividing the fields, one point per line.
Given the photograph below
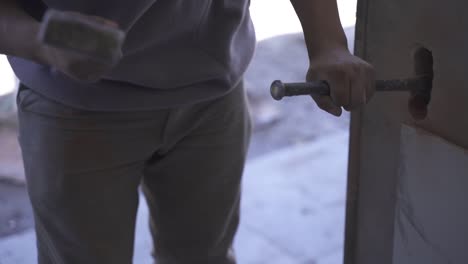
x=387 y=32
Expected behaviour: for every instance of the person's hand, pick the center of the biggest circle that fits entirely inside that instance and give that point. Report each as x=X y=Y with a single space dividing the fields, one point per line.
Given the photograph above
x=77 y=66
x=351 y=80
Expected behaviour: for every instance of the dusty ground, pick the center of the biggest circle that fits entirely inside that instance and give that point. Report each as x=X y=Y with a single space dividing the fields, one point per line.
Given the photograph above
x=15 y=210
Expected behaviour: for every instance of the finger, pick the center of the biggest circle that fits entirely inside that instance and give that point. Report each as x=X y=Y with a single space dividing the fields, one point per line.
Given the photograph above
x=97 y=19
x=84 y=70
x=105 y=21
x=337 y=80
x=357 y=89
x=339 y=87
x=326 y=103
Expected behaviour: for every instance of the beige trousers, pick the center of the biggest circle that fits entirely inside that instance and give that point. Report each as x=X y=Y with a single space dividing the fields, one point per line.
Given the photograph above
x=84 y=170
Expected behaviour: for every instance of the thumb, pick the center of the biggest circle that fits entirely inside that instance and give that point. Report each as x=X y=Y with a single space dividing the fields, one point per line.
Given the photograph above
x=326 y=103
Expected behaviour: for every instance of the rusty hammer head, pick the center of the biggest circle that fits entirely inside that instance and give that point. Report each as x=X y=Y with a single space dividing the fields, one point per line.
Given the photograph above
x=421 y=94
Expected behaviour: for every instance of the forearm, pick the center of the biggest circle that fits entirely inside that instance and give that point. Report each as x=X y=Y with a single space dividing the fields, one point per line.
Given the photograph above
x=18 y=32
x=321 y=24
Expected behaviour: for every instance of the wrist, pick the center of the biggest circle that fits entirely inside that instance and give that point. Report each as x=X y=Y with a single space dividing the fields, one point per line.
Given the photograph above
x=326 y=44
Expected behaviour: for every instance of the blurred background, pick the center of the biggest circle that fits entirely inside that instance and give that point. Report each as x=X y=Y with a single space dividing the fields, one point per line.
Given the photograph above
x=293 y=204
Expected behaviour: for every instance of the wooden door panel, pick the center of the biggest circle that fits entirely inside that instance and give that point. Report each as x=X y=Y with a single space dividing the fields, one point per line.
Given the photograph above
x=387 y=32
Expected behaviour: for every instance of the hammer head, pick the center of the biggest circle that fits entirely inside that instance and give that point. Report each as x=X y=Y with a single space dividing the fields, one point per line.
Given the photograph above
x=78 y=33
x=420 y=97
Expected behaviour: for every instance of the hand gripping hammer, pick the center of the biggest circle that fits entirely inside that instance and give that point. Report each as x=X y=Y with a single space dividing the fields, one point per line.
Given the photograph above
x=419 y=86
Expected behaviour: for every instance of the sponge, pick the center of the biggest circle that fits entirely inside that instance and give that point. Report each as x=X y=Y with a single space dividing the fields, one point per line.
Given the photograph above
x=77 y=33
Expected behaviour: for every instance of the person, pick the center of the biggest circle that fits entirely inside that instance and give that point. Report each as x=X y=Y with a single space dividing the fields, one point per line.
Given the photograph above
x=170 y=116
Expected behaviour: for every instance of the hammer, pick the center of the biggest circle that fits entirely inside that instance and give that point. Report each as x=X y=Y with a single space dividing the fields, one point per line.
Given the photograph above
x=420 y=86
x=78 y=33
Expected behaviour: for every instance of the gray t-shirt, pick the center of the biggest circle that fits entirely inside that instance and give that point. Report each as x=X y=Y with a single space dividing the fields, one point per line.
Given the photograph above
x=177 y=52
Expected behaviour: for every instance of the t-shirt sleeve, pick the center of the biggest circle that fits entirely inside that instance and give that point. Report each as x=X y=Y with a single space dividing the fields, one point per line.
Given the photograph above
x=124 y=12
